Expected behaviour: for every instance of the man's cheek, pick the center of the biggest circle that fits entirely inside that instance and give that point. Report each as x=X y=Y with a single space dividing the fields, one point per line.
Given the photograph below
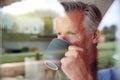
x=75 y=42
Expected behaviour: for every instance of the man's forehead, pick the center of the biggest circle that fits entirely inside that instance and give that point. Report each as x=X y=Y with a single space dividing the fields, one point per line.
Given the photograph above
x=73 y=16
x=65 y=20
x=65 y=17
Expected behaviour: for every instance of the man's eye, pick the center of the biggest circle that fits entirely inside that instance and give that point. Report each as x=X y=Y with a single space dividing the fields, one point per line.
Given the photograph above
x=71 y=33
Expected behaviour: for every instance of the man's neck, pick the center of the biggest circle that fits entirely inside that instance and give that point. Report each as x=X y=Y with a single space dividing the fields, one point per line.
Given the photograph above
x=92 y=58
x=92 y=54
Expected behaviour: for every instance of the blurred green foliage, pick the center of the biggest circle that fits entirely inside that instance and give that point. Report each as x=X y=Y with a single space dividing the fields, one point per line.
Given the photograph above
x=109 y=32
x=10 y=58
x=105 y=52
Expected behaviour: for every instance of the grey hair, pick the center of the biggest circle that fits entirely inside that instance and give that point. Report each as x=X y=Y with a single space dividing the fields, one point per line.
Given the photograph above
x=92 y=13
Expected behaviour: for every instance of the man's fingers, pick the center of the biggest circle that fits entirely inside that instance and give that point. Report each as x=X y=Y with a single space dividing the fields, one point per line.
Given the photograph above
x=70 y=53
x=75 y=48
x=74 y=51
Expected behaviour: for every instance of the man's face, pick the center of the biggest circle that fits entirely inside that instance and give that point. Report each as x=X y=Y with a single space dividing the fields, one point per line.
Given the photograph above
x=70 y=28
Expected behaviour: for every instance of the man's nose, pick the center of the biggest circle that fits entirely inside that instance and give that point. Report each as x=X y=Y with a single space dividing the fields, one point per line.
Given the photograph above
x=63 y=36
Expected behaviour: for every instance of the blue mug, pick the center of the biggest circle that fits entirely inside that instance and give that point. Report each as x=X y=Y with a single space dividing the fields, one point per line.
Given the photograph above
x=54 y=53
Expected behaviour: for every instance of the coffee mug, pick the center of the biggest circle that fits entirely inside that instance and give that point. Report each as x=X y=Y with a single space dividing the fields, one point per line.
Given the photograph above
x=54 y=53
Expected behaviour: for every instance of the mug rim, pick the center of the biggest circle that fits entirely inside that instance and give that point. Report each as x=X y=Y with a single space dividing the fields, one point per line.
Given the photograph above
x=53 y=64
x=62 y=40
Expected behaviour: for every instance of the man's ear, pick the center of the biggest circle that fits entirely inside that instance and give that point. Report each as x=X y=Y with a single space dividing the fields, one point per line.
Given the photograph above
x=95 y=36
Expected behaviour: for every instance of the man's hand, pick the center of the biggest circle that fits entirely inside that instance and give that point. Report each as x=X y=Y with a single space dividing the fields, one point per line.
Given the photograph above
x=75 y=64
